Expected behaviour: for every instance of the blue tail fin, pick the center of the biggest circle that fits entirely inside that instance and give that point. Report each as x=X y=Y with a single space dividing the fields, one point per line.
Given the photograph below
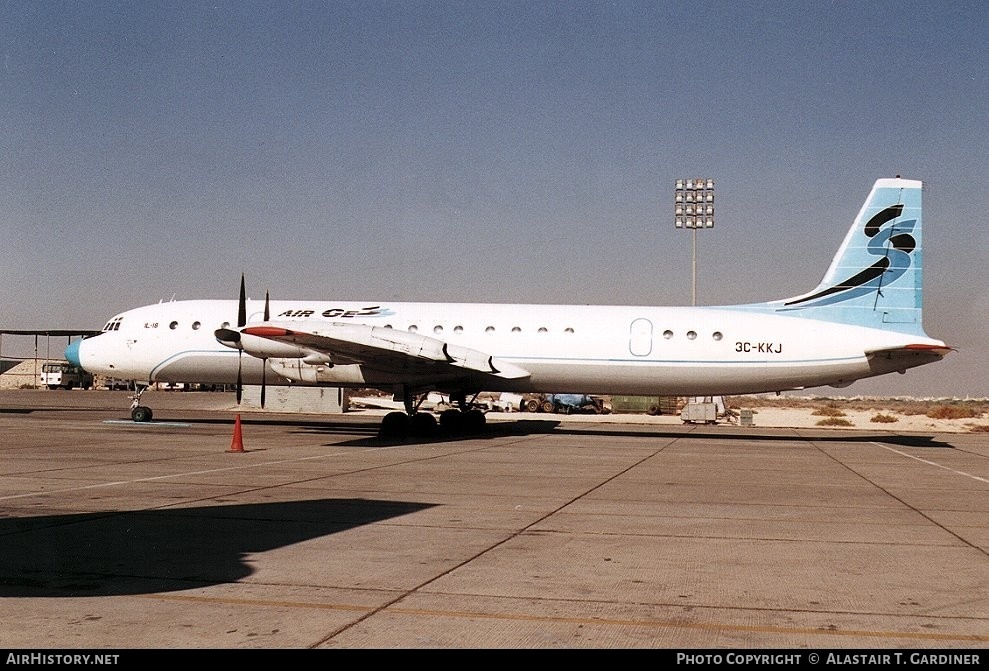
x=875 y=279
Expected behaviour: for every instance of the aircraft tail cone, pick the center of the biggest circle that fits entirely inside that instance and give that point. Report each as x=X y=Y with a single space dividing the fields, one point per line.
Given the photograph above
x=237 y=444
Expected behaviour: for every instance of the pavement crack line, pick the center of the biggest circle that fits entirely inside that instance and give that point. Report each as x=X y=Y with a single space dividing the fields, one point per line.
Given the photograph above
x=513 y=535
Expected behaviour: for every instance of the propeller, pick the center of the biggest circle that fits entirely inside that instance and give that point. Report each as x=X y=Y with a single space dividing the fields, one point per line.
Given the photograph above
x=233 y=338
x=241 y=323
x=264 y=362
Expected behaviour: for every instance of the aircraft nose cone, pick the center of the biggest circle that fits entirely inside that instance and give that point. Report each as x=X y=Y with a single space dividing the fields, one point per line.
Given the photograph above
x=72 y=353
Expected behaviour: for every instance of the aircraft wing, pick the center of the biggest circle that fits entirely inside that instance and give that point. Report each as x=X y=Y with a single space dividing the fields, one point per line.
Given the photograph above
x=385 y=349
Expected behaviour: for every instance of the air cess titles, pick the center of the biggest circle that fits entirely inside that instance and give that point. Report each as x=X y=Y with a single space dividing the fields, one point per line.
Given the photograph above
x=373 y=311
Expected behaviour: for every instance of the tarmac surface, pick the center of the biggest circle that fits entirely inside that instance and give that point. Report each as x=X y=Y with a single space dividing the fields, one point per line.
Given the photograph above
x=541 y=532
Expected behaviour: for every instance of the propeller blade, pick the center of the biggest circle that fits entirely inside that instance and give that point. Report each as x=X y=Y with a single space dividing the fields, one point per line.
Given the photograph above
x=264 y=362
x=242 y=305
x=241 y=323
x=264 y=365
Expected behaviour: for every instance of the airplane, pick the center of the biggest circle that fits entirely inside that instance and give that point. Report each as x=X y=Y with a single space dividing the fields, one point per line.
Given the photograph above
x=864 y=319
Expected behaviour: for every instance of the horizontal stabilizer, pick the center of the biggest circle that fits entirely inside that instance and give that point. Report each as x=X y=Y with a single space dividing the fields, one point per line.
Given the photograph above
x=919 y=351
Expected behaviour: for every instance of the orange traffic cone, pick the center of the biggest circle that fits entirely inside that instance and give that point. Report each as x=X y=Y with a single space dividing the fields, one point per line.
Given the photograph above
x=237 y=444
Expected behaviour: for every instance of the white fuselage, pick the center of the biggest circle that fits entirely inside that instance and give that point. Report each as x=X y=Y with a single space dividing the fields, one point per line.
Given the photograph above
x=566 y=349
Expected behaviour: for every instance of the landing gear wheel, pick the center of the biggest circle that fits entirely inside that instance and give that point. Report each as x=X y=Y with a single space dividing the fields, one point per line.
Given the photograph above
x=394 y=425
x=422 y=425
x=452 y=421
x=141 y=413
x=474 y=421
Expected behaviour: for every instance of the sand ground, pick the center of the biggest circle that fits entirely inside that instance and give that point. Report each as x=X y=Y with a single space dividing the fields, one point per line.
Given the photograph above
x=863 y=419
x=784 y=417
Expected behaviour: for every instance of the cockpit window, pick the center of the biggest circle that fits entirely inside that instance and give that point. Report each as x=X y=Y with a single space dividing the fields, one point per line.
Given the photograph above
x=113 y=324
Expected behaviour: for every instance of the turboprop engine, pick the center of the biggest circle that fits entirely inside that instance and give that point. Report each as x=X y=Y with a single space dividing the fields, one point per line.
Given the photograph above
x=262 y=348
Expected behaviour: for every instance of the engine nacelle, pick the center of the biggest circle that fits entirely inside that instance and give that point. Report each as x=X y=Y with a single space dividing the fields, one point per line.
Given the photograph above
x=262 y=348
x=297 y=370
x=318 y=359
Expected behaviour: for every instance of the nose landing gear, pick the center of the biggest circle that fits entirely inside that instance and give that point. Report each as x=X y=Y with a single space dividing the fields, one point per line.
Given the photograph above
x=138 y=412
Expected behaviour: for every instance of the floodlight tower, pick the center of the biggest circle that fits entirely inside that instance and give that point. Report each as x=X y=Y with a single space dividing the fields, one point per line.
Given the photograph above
x=694 y=208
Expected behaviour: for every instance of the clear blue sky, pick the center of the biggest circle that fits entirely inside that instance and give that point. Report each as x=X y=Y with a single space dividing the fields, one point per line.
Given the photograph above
x=484 y=151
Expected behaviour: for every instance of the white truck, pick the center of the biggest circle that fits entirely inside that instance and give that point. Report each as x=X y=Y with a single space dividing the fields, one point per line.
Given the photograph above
x=63 y=375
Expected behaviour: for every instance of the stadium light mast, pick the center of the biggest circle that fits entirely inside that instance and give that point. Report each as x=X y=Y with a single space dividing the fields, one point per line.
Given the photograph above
x=694 y=209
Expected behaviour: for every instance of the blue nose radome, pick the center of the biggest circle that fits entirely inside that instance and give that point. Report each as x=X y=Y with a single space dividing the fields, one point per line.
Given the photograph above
x=72 y=353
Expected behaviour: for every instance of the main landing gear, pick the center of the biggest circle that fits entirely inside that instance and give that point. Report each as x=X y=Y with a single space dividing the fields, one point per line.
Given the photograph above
x=465 y=419
x=138 y=412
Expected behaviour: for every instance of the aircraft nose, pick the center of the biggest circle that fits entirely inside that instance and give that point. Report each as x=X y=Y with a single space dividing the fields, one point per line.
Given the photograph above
x=72 y=353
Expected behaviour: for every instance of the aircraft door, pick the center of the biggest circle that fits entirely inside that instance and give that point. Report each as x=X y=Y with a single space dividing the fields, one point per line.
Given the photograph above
x=640 y=337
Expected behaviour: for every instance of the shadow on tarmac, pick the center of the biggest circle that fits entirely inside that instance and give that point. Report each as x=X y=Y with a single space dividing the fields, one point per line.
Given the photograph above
x=539 y=427
x=153 y=551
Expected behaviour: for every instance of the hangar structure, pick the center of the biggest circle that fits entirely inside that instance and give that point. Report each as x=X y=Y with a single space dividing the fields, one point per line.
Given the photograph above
x=40 y=354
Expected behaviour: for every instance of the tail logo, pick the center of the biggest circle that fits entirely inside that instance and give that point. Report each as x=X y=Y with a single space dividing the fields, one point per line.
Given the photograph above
x=893 y=245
